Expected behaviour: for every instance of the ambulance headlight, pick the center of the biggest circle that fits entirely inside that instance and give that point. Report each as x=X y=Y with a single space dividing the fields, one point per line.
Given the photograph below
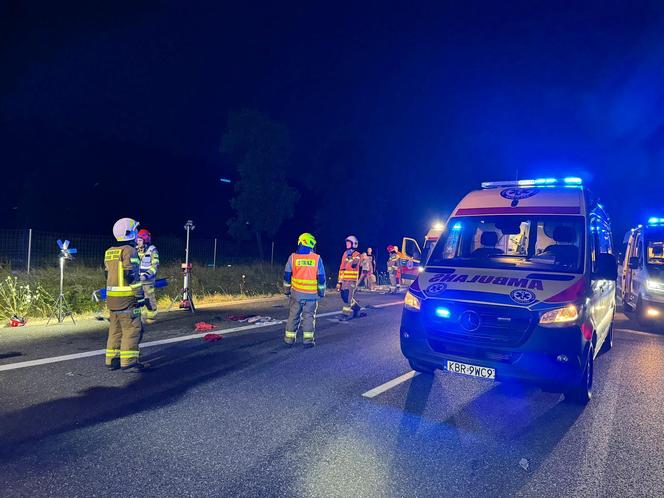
x=411 y=302
x=421 y=269
x=560 y=316
x=655 y=286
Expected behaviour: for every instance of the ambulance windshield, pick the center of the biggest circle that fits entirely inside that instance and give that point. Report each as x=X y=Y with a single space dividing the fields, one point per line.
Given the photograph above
x=654 y=238
x=539 y=243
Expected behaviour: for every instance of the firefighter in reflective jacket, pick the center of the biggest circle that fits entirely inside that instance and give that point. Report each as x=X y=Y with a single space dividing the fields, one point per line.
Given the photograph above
x=304 y=283
x=149 y=257
x=393 y=268
x=349 y=272
x=124 y=298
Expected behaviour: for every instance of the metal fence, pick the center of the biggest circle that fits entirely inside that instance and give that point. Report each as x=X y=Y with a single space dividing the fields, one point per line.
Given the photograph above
x=24 y=249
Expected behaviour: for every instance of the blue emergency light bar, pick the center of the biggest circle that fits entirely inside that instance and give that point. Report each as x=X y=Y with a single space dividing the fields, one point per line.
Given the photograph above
x=538 y=182
x=655 y=221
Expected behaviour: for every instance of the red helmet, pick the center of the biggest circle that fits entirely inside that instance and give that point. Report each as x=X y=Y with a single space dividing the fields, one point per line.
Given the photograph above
x=390 y=248
x=145 y=235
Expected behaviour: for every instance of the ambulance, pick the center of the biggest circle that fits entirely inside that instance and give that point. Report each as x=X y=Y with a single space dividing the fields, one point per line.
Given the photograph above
x=412 y=258
x=520 y=287
x=643 y=272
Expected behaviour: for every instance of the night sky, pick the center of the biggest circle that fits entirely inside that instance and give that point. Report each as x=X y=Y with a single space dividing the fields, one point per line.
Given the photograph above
x=395 y=111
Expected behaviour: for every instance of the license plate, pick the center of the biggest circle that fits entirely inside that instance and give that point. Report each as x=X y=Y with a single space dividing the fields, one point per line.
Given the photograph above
x=471 y=370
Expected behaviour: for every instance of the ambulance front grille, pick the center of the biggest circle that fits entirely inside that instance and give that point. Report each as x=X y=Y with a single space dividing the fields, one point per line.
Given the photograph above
x=502 y=326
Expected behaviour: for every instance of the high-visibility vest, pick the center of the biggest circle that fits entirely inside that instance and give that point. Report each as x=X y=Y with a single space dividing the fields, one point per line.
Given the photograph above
x=149 y=261
x=346 y=271
x=304 y=278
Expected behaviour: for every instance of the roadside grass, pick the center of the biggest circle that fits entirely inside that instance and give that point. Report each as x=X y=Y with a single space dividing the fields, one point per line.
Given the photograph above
x=32 y=296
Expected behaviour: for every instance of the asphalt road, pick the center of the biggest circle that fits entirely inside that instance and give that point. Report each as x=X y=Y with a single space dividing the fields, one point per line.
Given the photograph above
x=248 y=416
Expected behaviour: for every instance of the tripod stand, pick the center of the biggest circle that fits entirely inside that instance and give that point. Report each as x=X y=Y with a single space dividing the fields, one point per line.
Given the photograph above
x=61 y=309
x=185 y=296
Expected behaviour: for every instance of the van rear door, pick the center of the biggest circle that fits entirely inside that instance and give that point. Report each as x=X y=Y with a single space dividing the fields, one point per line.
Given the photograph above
x=410 y=260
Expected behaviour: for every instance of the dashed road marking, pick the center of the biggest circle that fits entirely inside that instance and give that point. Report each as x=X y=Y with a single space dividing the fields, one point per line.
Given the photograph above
x=372 y=393
x=189 y=337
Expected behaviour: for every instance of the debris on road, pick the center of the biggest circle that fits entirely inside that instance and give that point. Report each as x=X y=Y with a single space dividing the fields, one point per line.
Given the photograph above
x=212 y=337
x=204 y=327
x=260 y=319
x=17 y=321
x=239 y=318
x=524 y=464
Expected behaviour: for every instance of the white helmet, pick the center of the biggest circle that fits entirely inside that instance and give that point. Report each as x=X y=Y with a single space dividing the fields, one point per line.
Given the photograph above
x=125 y=229
x=353 y=241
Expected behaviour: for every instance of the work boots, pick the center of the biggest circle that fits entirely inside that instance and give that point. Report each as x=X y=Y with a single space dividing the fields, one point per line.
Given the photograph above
x=115 y=364
x=136 y=368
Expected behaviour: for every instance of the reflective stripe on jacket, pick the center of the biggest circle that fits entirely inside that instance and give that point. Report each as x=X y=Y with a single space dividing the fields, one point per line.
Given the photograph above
x=149 y=261
x=123 y=287
x=304 y=278
x=349 y=267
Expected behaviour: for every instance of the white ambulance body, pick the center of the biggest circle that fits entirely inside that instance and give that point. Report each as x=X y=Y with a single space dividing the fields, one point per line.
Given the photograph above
x=520 y=286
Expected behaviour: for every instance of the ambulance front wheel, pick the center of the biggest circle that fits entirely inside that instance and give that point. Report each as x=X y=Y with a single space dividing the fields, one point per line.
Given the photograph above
x=582 y=392
x=424 y=368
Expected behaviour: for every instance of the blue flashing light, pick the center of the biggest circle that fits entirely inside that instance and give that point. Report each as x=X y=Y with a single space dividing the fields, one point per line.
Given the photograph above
x=655 y=221
x=570 y=181
x=443 y=312
x=456 y=227
x=225 y=180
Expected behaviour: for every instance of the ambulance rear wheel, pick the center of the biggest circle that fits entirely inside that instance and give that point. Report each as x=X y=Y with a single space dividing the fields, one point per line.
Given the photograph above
x=424 y=368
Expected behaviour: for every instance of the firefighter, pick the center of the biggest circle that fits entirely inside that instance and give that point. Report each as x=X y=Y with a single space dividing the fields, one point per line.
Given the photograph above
x=149 y=257
x=304 y=284
x=393 y=269
x=124 y=298
x=349 y=271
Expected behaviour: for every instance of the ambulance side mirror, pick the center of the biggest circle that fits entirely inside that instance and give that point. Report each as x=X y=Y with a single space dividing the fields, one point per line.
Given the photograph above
x=633 y=263
x=606 y=267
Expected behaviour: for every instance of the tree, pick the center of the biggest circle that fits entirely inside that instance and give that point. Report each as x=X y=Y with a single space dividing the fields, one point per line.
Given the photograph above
x=263 y=200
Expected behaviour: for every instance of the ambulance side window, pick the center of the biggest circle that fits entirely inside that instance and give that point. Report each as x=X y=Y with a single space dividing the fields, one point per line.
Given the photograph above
x=636 y=248
x=600 y=239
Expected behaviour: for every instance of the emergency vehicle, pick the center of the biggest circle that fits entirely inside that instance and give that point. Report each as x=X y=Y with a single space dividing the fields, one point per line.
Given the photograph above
x=412 y=258
x=520 y=286
x=643 y=272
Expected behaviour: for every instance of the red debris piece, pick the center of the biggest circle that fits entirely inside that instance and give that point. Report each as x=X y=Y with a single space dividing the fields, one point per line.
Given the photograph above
x=204 y=327
x=212 y=337
x=17 y=321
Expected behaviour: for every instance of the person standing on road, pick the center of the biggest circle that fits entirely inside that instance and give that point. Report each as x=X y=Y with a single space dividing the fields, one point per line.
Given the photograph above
x=149 y=257
x=304 y=284
x=368 y=267
x=349 y=271
x=124 y=298
x=393 y=269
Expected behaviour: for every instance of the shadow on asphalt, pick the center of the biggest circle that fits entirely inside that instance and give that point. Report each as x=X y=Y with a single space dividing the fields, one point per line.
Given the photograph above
x=489 y=433
x=33 y=428
x=11 y=354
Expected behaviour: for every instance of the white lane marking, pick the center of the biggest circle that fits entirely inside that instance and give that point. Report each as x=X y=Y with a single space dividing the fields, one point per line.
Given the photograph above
x=223 y=332
x=372 y=393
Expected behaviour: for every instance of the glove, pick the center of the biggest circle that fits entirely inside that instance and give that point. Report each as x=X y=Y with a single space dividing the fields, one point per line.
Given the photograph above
x=148 y=305
x=140 y=303
x=321 y=293
x=287 y=291
x=338 y=287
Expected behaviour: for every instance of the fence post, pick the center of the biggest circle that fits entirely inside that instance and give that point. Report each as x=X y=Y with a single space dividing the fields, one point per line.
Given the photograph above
x=214 y=256
x=29 y=247
x=272 y=255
